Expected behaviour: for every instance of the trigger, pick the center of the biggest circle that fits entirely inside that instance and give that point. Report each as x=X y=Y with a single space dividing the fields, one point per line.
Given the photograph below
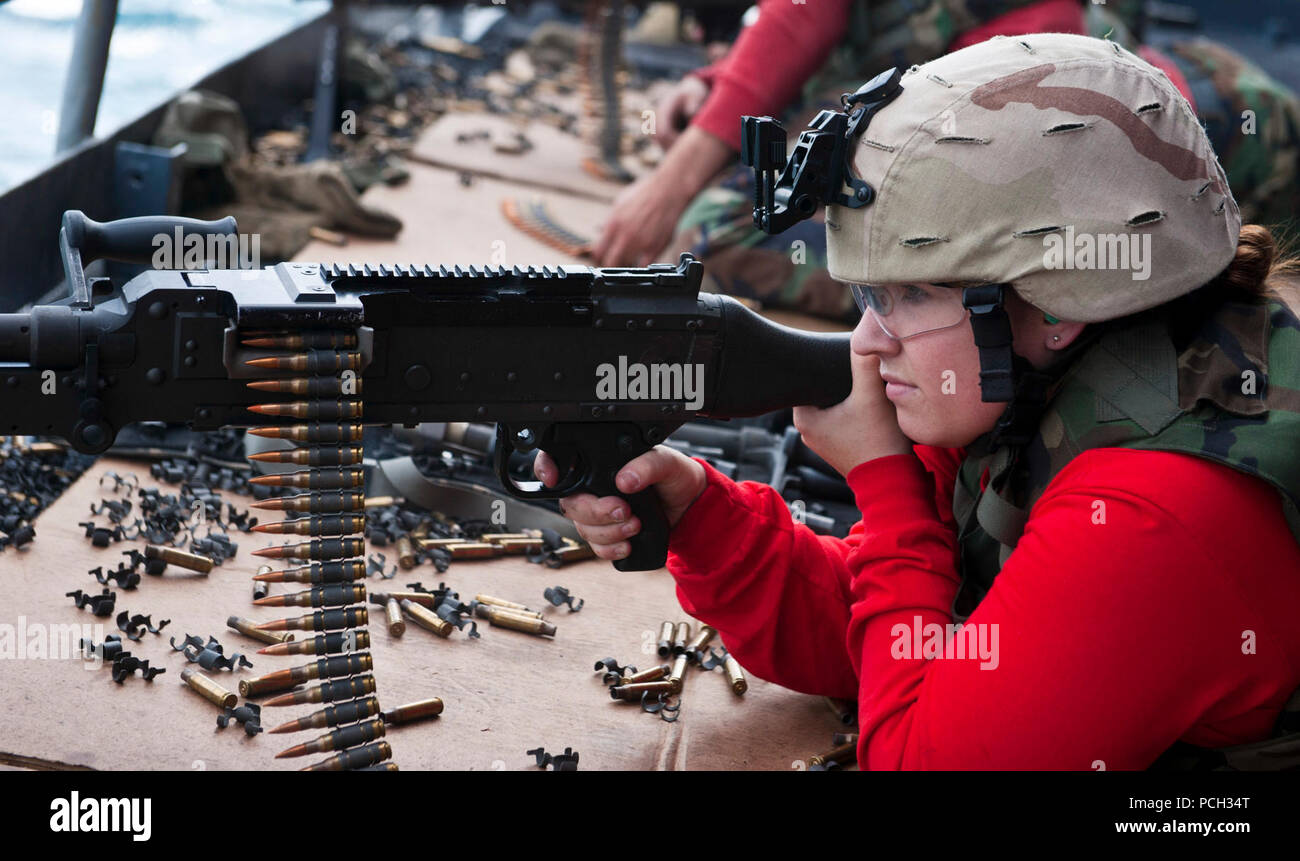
x=565 y=461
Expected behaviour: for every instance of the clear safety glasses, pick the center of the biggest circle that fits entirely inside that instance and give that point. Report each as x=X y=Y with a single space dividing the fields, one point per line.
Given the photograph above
x=906 y=310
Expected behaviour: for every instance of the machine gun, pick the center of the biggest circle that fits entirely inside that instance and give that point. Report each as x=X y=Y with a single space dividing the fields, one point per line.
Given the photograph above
x=595 y=366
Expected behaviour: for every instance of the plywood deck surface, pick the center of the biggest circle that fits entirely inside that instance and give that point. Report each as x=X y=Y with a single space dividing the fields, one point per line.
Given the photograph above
x=554 y=162
x=446 y=222
x=504 y=693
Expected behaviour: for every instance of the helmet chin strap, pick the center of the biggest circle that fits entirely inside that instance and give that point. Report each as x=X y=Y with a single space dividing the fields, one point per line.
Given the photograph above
x=1004 y=375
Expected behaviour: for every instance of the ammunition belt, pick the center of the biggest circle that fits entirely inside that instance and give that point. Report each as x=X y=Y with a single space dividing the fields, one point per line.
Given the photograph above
x=318 y=373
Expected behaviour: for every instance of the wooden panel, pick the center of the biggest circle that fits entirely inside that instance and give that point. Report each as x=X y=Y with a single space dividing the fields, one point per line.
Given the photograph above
x=504 y=693
x=554 y=162
x=450 y=223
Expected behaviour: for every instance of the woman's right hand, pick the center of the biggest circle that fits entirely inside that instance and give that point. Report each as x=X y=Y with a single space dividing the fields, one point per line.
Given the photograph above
x=677 y=107
x=607 y=522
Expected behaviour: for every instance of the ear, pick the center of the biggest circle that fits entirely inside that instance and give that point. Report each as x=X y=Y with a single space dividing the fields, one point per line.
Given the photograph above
x=1058 y=336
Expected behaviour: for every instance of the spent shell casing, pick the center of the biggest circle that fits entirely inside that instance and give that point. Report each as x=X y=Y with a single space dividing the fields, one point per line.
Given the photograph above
x=632 y=693
x=319 y=574
x=500 y=617
x=565 y=555
x=840 y=738
x=393 y=612
x=653 y=674
x=405 y=553
x=261 y=586
x=302 y=341
x=335 y=715
x=208 y=689
x=315 y=433
x=699 y=641
x=249 y=629
x=318 y=455
x=844 y=754
x=310 y=362
x=501 y=602
x=336 y=595
x=322 y=525
x=845 y=710
x=324 y=644
x=519 y=546
x=318 y=502
x=172 y=556
x=317 y=548
x=431 y=543
x=677 y=673
x=322 y=620
x=383 y=501
x=424 y=599
x=484 y=611
x=357 y=757
x=327 y=692
x=474 y=550
x=666 y=639
x=412 y=712
x=320 y=410
x=735 y=675
x=426 y=619
x=681 y=635
x=339 y=478
x=505 y=536
x=341 y=738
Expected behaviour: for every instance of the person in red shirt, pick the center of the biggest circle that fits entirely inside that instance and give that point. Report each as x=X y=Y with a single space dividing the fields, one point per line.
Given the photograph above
x=1146 y=604
x=762 y=74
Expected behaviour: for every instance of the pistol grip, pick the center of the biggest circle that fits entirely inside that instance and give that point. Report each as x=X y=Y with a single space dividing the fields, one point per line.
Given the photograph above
x=650 y=545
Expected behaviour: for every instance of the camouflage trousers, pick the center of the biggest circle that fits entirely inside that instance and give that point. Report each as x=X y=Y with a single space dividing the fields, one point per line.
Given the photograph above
x=786 y=270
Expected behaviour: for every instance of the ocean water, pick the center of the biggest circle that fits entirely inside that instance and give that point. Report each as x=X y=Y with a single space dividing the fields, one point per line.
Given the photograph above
x=159 y=47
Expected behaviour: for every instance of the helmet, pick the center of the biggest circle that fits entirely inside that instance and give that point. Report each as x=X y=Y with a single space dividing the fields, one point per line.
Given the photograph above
x=1064 y=164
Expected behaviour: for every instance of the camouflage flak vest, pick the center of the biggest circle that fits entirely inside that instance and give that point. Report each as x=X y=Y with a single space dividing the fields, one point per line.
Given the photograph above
x=1231 y=394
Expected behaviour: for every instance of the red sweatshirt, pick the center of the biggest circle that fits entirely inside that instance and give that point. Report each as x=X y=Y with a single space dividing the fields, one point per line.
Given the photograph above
x=1173 y=618
x=771 y=61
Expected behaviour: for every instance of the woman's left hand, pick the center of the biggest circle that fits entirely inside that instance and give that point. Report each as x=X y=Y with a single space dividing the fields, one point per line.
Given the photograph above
x=862 y=427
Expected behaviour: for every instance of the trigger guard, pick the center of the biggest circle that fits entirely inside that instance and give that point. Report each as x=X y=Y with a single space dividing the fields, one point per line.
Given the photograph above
x=501 y=463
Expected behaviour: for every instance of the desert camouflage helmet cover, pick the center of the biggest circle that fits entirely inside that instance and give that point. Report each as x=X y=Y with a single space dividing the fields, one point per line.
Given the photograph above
x=991 y=148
